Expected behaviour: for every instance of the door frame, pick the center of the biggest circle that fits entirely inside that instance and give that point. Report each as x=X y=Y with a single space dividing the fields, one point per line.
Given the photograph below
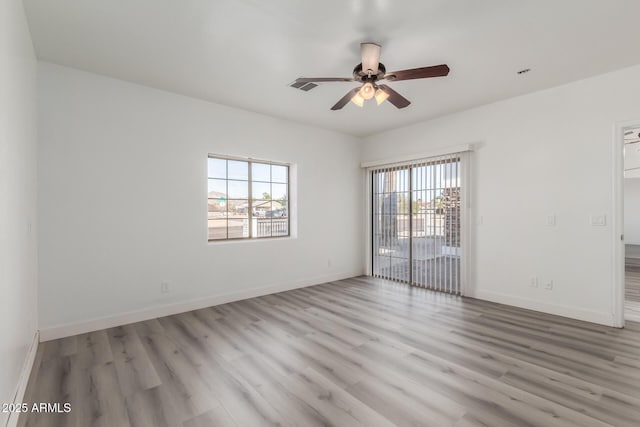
x=617 y=229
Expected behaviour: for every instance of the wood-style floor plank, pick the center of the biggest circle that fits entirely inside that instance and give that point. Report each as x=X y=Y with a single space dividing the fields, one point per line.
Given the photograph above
x=217 y=417
x=360 y=351
x=632 y=291
x=135 y=370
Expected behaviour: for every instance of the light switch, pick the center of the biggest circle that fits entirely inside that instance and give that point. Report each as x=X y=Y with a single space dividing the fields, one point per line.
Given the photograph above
x=551 y=220
x=598 y=220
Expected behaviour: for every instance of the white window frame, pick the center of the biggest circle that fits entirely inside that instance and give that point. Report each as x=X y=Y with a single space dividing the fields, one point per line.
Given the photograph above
x=249 y=162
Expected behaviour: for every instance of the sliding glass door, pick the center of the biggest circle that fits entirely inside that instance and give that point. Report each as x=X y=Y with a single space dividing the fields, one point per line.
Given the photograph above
x=416 y=224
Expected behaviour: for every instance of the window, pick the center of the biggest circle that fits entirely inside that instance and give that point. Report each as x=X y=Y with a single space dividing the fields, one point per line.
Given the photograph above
x=247 y=199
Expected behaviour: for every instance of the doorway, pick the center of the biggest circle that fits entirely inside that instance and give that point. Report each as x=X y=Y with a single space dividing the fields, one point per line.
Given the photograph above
x=417 y=223
x=631 y=196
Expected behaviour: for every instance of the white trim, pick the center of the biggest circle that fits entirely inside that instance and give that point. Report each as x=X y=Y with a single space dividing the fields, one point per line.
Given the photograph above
x=617 y=215
x=23 y=380
x=70 y=329
x=602 y=318
x=243 y=240
x=246 y=159
x=414 y=157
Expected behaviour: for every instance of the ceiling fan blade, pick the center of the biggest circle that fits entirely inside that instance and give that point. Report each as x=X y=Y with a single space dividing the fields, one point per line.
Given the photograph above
x=370 y=54
x=323 y=79
x=418 y=73
x=394 y=97
x=345 y=99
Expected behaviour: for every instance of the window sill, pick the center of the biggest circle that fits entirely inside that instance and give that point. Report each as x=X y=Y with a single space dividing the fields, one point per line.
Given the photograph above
x=237 y=241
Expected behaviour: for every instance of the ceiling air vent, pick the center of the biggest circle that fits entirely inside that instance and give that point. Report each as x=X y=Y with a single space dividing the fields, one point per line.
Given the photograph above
x=303 y=85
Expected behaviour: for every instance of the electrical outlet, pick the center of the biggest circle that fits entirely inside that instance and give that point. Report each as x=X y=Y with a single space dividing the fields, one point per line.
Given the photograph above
x=164 y=287
x=549 y=285
x=533 y=282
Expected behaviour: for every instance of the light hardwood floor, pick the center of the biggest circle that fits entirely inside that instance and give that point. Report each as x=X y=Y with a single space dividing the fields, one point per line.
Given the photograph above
x=355 y=352
x=632 y=294
x=632 y=255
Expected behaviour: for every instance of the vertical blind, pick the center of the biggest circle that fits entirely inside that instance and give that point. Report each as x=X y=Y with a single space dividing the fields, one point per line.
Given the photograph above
x=416 y=226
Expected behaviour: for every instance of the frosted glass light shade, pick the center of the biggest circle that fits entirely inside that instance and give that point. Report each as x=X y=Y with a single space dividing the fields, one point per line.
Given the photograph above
x=381 y=96
x=358 y=100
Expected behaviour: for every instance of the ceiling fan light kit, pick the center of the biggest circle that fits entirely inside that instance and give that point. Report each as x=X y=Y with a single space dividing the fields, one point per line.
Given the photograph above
x=369 y=72
x=368 y=91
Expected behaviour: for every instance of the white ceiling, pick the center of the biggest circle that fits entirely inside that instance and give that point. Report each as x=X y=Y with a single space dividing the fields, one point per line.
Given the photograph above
x=244 y=53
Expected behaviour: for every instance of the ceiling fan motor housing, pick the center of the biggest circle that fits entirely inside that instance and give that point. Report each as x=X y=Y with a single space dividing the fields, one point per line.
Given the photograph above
x=362 y=76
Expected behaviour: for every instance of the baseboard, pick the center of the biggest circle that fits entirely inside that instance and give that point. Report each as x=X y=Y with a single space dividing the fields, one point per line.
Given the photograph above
x=25 y=374
x=70 y=329
x=602 y=318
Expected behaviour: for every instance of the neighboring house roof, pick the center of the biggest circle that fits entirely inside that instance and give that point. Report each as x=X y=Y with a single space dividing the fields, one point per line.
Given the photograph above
x=268 y=205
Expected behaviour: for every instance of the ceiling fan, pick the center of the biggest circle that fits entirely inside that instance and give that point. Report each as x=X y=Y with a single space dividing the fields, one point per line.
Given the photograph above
x=369 y=72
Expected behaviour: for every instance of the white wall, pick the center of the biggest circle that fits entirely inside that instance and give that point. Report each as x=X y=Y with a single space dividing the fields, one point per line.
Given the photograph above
x=18 y=139
x=546 y=153
x=632 y=211
x=123 y=200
